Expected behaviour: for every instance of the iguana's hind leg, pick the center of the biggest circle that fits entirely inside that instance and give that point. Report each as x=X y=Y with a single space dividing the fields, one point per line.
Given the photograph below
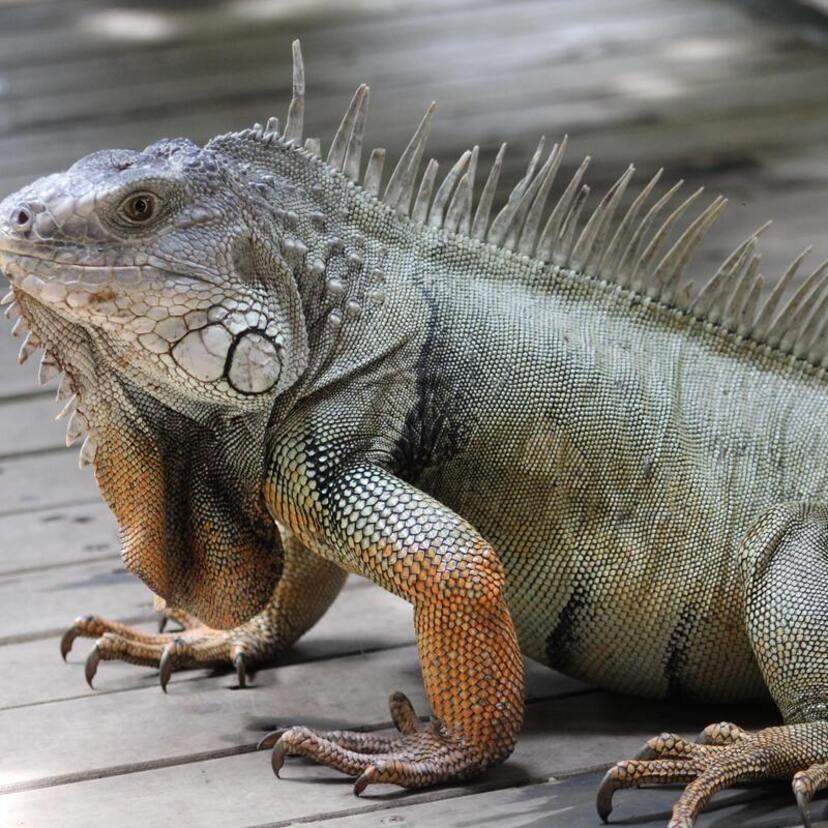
x=784 y=567
x=308 y=586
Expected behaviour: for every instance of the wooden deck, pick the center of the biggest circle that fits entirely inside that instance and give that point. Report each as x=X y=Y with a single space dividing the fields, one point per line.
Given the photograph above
x=733 y=95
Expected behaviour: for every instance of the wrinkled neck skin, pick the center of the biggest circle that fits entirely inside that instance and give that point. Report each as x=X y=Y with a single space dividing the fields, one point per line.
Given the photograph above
x=362 y=300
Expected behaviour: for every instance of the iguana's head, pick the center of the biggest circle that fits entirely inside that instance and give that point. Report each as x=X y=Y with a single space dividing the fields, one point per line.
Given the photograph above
x=159 y=256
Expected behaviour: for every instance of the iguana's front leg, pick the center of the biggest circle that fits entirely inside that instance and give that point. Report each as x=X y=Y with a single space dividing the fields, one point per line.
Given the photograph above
x=784 y=563
x=308 y=586
x=375 y=524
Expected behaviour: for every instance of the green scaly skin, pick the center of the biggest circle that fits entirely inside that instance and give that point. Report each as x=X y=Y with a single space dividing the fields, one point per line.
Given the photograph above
x=541 y=460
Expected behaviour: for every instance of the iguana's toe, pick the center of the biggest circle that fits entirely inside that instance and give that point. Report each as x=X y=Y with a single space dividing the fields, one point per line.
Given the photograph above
x=673 y=746
x=240 y=664
x=94 y=626
x=166 y=665
x=805 y=785
x=403 y=717
x=194 y=646
x=203 y=647
x=115 y=647
x=184 y=619
x=722 y=733
x=724 y=756
x=91 y=666
x=412 y=761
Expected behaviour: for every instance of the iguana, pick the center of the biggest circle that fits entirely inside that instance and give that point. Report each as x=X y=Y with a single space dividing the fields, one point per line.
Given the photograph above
x=531 y=426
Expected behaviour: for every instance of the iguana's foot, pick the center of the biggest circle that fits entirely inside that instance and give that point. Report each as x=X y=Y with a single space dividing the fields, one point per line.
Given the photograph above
x=308 y=586
x=423 y=754
x=724 y=755
x=196 y=645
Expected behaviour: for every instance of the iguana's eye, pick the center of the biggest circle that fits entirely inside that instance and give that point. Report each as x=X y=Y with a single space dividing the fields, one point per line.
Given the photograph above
x=139 y=207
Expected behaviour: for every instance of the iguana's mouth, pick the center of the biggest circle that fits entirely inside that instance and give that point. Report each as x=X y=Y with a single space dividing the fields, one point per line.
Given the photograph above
x=34 y=273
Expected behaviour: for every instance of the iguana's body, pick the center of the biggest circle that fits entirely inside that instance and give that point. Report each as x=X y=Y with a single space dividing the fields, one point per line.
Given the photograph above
x=553 y=442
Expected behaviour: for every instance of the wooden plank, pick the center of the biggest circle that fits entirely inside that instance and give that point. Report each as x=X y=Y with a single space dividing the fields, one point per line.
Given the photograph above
x=97 y=32
x=28 y=425
x=35 y=483
x=819 y=5
x=363 y=617
x=570 y=803
x=178 y=77
x=559 y=738
x=15 y=379
x=43 y=604
x=475 y=111
x=487 y=109
x=203 y=121
x=194 y=78
x=57 y=537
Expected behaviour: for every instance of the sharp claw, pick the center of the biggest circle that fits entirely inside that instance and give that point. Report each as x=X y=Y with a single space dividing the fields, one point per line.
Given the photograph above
x=603 y=801
x=402 y=713
x=66 y=642
x=364 y=779
x=241 y=673
x=269 y=739
x=804 y=803
x=92 y=661
x=162 y=623
x=277 y=758
x=165 y=666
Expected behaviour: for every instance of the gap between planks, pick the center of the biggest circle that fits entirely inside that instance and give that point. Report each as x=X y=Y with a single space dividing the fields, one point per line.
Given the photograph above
x=47 y=507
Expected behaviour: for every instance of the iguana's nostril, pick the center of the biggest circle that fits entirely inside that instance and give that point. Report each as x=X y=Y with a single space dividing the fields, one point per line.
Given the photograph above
x=21 y=218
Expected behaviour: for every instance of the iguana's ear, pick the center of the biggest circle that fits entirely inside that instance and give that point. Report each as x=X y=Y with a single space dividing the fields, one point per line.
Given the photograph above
x=194 y=531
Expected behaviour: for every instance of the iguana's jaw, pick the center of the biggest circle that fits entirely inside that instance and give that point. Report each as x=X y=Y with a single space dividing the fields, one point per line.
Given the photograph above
x=216 y=348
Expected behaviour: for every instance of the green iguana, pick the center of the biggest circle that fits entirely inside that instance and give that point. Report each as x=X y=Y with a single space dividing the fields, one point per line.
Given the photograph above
x=531 y=426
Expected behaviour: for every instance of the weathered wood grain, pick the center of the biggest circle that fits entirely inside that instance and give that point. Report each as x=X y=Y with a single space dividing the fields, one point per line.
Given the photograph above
x=44 y=603
x=156 y=87
x=57 y=537
x=28 y=426
x=201 y=717
x=570 y=803
x=15 y=379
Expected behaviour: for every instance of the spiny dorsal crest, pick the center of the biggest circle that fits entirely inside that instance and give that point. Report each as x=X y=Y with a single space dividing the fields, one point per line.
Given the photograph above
x=640 y=251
